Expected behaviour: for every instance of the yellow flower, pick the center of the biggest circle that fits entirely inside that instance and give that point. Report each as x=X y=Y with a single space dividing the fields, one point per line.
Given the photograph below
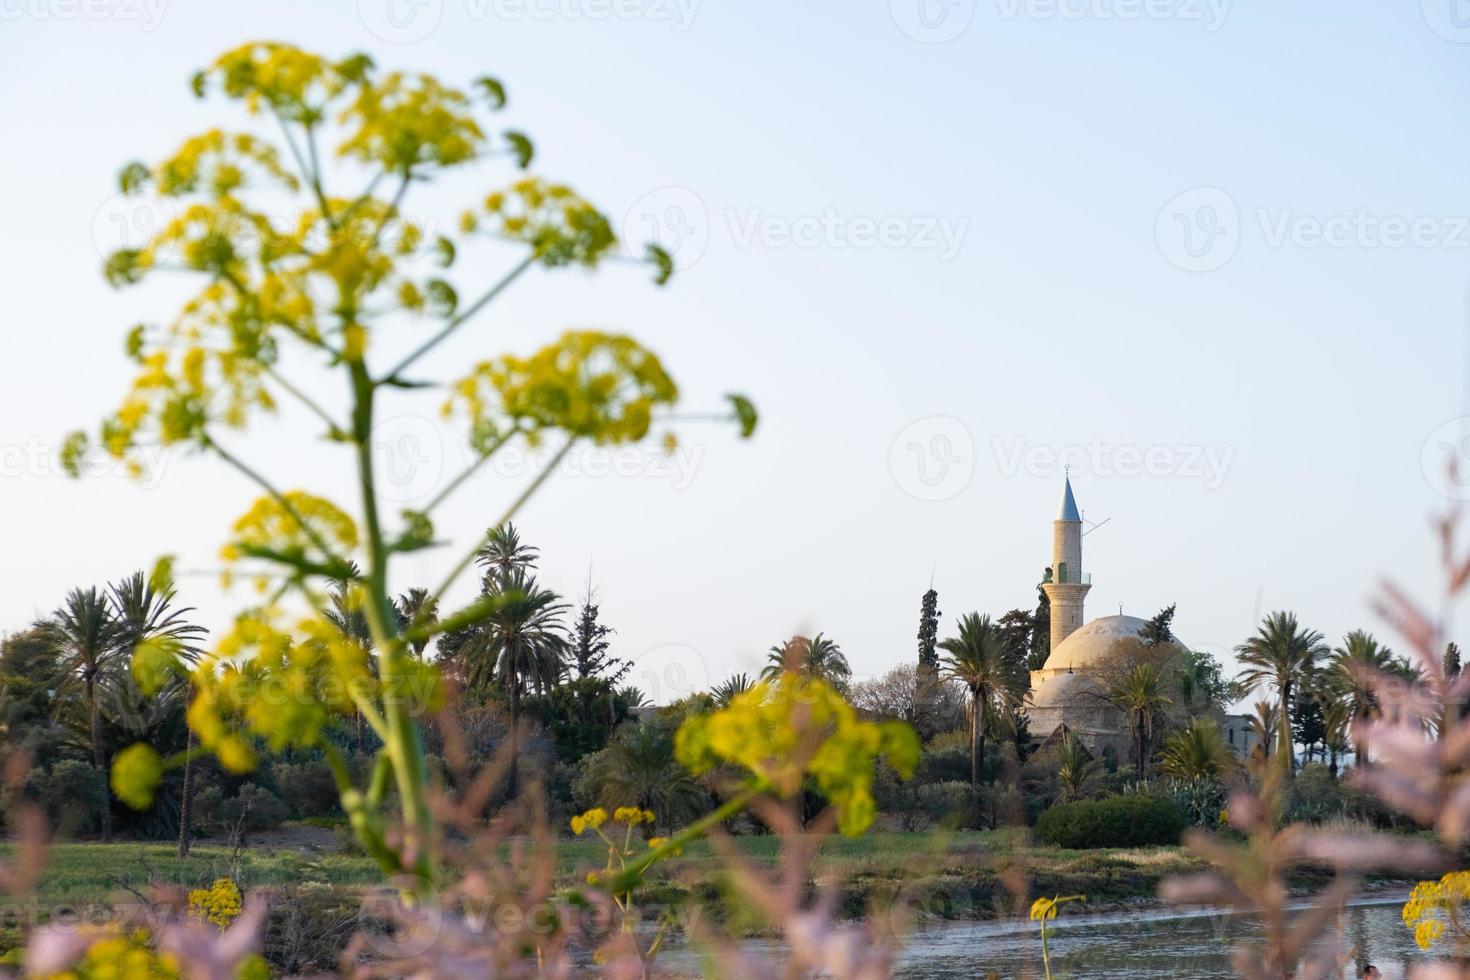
x=797 y=728
x=136 y=773
x=1046 y=908
x=590 y=820
x=219 y=904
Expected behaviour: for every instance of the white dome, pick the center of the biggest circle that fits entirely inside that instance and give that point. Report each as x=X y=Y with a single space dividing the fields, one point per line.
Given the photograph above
x=1091 y=643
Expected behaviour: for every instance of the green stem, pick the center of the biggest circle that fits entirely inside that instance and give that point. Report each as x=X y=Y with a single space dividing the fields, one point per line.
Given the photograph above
x=630 y=875
x=401 y=736
x=458 y=321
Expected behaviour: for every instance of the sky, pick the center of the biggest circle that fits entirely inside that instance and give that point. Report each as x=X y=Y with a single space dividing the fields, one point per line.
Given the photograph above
x=1210 y=255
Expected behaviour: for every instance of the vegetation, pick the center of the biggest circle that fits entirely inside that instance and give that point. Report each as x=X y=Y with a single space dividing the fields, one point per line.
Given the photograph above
x=1118 y=821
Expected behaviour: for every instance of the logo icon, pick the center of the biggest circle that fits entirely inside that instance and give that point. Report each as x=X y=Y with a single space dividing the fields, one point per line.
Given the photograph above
x=1199 y=229
x=1445 y=458
x=131 y=221
x=933 y=459
x=1450 y=19
x=408 y=458
x=932 y=21
x=400 y=21
x=673 y=218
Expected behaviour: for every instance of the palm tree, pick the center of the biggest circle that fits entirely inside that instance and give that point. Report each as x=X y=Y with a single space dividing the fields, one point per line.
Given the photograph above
x=639 y=768
x=1263 y=726
x=1352 y=672
x=817 y=657
x=1075 y=766
x=1140 y=694
x=523 y=641
x=1196 y=752
x=413 y=606
x=1282 y=654
x=347 y=614
x=503 y=553
x=83 y=637
x=725 y=691
x=982 y=660
x=143 y=613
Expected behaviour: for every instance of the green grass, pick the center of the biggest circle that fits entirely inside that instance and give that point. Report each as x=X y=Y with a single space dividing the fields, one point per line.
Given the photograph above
x=91 y=874
x=99 y=874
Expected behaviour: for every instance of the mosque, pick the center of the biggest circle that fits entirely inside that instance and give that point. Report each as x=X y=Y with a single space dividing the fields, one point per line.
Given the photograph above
x=1065 y=694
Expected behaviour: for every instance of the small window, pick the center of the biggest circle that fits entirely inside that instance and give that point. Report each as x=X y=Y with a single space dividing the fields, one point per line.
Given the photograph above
x=1061 y=571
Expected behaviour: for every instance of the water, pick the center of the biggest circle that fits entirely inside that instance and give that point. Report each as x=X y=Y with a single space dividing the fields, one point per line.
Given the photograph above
x=1140 y=944
x=1145 y=944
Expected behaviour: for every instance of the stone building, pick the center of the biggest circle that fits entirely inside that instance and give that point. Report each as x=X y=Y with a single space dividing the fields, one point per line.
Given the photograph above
x=1065 y=693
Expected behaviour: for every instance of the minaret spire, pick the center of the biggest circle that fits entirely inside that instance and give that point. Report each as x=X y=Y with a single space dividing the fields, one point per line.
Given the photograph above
x=1068 y=586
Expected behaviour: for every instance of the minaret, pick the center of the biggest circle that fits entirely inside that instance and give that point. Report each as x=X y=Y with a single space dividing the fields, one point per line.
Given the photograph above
x=1067 y=587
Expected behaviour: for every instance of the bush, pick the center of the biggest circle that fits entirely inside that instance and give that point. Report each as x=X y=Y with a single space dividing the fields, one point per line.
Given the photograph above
x=254 y=808
x=1117 y=821
x=308 y=788
x=71 y=794
x=1314 y=796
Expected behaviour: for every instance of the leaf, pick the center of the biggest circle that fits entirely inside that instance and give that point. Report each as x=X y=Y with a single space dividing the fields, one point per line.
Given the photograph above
x=442 y=297
x=196 y=84
x=745 y=414
x=161 y=579
x=493 y=89
x=133 y=177
x=520 y=145
x=662 y=262
x=444 y=252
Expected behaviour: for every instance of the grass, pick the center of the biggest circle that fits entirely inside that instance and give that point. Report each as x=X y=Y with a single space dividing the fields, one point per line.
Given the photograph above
x=88 y=875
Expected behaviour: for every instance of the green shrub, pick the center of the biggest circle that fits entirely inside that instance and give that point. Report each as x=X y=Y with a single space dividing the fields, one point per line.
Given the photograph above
x=71 y=794
x=307 y=788
x=1116 y=821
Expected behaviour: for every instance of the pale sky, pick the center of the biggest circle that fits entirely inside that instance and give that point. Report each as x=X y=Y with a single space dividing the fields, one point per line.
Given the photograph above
x=1214 y=255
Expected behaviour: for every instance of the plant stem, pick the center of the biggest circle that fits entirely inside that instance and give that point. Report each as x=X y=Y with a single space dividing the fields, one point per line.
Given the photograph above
x=458 y=320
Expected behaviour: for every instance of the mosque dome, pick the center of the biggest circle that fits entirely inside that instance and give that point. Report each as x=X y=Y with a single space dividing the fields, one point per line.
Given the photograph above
x=1087 y=645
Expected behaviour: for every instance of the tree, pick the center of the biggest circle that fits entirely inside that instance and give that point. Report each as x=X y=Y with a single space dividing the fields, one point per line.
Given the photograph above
x=1158 y=630
x=983 y=662
x=927 y=677
x=1203 y=688
x=725 y=691
x=639 y=768
x=503 y=552
x=1017 y=625
x=1075 y=767
x=1452 y=660
x=1264 y=726
x=1337 y=717
x=929 y=631
x=83 y=637
x=27 y=677
x=417 y=607
x=1308 y=725
x=817 y=657
x=521 y=644
x=1282 y=655
x=1355 y=668
x=1196 y=752
x=1141 y=694
x=146 y=614
x=904 y=694
x=345 y=612
x=1040 y=629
